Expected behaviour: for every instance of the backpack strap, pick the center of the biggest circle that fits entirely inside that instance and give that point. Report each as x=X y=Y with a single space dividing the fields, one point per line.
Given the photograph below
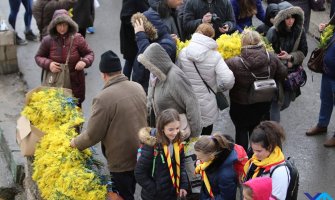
x=277 y=166
x=245 y=65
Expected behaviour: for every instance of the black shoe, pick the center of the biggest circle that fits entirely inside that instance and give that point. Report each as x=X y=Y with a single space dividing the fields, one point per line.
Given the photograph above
x=20 y=41
x=31 y=36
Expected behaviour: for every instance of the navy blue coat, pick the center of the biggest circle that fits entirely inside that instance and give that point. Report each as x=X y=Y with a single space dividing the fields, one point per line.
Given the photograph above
x=222 y=177
x=140 y=74
x=159 y=186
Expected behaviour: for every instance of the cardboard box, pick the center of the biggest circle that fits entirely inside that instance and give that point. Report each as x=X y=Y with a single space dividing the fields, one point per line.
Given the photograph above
x=27 y=135
x=7 y=38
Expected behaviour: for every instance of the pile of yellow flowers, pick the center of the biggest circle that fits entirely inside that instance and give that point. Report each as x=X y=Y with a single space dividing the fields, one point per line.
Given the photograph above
x=326 y=35
x=61 y=172
x=228 y=45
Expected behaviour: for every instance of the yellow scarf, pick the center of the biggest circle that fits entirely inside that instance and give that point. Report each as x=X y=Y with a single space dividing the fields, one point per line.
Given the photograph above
x=275 y=158
x=176 y=148
x=200 y=169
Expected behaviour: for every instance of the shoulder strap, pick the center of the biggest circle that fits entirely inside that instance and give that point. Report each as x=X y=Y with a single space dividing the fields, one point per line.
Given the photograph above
x=69 y=52
x=330 y=43
x=245 y=65
x=208 y=87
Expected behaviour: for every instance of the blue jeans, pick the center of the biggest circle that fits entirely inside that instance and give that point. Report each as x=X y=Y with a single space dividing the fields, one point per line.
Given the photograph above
x=276 y=107
x=14 y=10
x=327 y=97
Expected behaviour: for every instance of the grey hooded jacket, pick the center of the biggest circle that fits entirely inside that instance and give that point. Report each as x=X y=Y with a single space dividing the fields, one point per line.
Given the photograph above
x=172 y=89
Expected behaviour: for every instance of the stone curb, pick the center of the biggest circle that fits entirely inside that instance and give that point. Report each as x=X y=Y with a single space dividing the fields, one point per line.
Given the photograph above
x=14 y=159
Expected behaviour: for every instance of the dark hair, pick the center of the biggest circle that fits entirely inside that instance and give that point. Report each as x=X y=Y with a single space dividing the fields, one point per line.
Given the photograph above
x=209 y=144
x=269 y=134
x=163 y=9
x=165 y=117
x=247 y=8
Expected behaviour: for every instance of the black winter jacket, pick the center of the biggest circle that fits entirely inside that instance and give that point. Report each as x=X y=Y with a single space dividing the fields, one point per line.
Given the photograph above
x=195 y=9
x=159 y=186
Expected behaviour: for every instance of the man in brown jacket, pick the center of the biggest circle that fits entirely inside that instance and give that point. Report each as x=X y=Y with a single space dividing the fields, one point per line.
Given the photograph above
x=118 y=113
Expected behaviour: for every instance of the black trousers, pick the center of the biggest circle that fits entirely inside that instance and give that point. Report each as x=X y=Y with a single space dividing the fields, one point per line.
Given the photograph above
x=125 y=184
x=245 y=123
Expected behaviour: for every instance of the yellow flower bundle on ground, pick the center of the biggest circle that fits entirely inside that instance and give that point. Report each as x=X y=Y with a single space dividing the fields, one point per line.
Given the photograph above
x=61 y=172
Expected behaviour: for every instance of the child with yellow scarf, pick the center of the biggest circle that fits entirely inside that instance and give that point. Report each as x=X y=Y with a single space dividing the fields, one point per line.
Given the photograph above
x=160 y=169
x=266 y=143
x=217 y=157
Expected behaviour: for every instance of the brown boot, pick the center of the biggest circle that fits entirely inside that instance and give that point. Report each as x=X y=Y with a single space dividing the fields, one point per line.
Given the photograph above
x=330 y=142
x=316 y=130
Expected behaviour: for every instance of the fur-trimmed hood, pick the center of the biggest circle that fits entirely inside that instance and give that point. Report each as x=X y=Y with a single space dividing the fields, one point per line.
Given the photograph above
x=153 y=25
x=156 y=60
x=295 y=11
x=61 y=16
x=147 y=136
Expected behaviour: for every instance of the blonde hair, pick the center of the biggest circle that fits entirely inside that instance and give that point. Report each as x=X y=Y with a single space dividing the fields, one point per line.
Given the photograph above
x=250 y=37
x=206 y=29
x=209 y=144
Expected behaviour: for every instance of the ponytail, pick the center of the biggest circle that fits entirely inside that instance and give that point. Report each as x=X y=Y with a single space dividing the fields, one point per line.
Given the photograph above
x=269 y=134
x=211 y=144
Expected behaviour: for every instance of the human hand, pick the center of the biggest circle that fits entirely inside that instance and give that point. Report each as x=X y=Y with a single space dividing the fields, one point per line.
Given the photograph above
x=72 y=144
x=207 y=18
x=283 y=55
x=174 y=37
x=322 y=27
x=138 y=26
x=55 y=67
x=224 y=28
x=182 y=193
x=80 y=65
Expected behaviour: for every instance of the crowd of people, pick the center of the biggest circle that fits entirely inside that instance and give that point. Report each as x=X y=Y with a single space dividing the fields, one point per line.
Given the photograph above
x=168 y=99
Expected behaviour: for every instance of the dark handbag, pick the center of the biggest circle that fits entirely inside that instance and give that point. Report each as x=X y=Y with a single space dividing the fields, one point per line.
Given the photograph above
x=315 y=62
x=317 y=5
x=62 y=78
x=263 y=89
x=296 y=79
x=221 y=99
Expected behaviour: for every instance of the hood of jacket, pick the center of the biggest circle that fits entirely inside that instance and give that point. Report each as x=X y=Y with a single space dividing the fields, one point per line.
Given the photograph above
x=199 y=46
x=297 y=12
x=147 y=135
x=254 y=56
x=271 y=12
x=156 y=60
x=156 y=21
x=61 y=16
x=261 y=187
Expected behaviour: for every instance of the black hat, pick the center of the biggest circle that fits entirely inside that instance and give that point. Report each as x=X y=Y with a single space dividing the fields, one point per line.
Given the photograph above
x=109 y=62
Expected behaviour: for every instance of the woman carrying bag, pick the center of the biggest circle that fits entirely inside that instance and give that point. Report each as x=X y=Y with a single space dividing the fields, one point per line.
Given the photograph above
x=63 y=54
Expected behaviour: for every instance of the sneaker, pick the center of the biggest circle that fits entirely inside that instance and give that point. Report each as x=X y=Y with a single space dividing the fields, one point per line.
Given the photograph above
x=20 y=41
x=90 y=30
x=31 y=36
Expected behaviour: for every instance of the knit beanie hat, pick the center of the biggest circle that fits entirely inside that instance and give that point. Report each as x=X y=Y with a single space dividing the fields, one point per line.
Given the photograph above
x=109 y=62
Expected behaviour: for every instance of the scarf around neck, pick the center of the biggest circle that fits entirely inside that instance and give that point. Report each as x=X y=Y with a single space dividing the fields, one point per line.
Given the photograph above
x=275 y=158
x=200 y=169
x=176 y=148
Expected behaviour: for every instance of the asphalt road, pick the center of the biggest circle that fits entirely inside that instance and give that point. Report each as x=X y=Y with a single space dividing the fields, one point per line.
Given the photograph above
x=315 y=163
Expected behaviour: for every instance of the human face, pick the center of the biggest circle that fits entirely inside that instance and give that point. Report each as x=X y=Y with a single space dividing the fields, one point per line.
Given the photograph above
x=171 y=130
x=246 y=195
x=260 y=152
x=289 y=21
x=62 y=28
x=204 y=157
x=174 y=3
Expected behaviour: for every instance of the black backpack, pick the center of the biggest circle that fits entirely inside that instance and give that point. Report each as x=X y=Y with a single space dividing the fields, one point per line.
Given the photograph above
x=292 y=190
